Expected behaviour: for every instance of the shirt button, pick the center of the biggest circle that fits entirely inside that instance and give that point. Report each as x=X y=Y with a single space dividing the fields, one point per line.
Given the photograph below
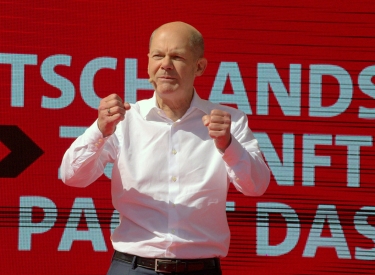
x=174 y=179
x=174 y=152
x=173 y=231
x=96 y=144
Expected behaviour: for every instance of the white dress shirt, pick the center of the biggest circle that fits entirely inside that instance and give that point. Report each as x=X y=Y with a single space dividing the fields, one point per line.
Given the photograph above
x=169 y=181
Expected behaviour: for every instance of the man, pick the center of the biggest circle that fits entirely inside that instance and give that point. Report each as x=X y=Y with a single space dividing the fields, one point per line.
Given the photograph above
x=174 y=156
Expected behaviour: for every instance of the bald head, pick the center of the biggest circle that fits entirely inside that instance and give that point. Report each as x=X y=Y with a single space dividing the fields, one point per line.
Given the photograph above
x=195 y=37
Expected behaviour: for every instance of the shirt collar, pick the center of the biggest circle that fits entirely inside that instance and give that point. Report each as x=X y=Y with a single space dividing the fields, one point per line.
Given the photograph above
x=146 y=106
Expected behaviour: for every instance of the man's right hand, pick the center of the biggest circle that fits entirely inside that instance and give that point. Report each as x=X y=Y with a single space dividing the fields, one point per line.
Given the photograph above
x=110 y=112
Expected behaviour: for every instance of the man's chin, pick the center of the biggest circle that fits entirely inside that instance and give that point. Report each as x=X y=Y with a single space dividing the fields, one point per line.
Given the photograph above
x=166 y=89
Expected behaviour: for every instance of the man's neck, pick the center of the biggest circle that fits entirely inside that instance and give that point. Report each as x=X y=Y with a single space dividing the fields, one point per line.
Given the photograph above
x=174 y=108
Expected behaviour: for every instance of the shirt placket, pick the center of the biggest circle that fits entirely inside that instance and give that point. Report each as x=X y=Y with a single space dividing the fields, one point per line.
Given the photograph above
x=173 y=182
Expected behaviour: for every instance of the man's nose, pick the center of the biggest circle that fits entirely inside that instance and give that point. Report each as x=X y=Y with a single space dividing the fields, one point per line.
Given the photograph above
x=166 y=63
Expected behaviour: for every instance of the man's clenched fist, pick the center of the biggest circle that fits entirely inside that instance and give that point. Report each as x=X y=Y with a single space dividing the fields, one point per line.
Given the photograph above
x=218 y=124
x=110 y=112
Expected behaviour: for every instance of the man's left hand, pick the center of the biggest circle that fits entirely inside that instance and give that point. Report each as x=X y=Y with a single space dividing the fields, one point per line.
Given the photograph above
x=218 y=124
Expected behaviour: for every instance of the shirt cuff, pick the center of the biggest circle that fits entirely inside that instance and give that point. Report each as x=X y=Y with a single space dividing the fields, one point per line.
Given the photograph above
x=233 y=153
x=94 y=137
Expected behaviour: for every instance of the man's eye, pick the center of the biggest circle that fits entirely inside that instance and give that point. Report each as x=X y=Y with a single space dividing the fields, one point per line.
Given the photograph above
x=157 y=56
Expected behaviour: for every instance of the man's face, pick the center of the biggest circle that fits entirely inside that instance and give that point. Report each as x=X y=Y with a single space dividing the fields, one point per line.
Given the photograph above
x=172 y=64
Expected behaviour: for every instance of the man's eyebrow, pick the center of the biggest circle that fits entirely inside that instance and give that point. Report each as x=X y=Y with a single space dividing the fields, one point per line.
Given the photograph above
x=172 y=52
x=178 y=52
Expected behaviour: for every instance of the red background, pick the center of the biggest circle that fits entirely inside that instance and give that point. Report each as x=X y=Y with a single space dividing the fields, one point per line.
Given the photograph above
x=250 y=32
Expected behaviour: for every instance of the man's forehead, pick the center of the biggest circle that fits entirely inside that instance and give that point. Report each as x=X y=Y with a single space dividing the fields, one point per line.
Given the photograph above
x=170 y=50
x=173 y=43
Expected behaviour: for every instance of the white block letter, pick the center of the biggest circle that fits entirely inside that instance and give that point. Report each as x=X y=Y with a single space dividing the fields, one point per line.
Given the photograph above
x=364 y=228
x=52 y=78
x=268 y=76
x=292 y=234
x=87 y=79
x=18 y=62
x=94 y=232
x=354 y=143
x=283 y=171
x=345 y=96
x=337 y=241
x=132 y=82
x=231 y=71
x=310 y=160
x=368 y=87
x=27 y=227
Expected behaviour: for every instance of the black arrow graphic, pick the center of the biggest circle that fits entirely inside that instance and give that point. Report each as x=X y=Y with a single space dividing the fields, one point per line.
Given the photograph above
x=23 y=151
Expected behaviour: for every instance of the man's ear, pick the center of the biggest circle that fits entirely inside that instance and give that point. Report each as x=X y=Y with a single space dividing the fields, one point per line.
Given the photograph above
x=201 y=66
